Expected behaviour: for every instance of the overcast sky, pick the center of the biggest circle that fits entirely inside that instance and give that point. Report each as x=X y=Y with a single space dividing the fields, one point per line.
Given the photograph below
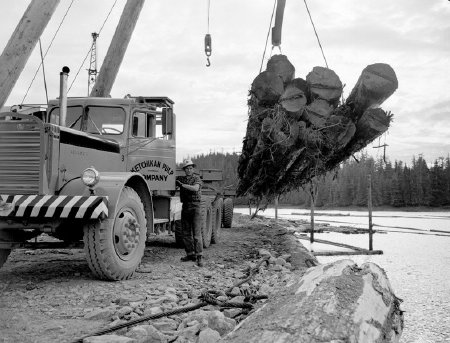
x=166 y=57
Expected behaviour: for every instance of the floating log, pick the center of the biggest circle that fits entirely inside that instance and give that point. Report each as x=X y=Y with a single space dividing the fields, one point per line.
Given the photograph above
x=280 y=65
x=335 y=302
x=376 y=83
x=324 y=84
x=267 y=87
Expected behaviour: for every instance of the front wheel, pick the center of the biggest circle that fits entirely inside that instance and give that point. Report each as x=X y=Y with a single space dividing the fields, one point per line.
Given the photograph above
x=4 y=253
x=114 y=247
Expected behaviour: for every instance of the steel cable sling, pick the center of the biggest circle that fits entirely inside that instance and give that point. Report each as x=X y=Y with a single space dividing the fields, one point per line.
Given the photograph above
x=206 y=299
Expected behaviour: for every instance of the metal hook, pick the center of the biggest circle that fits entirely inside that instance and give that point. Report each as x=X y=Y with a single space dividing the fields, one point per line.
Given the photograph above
x=208 y=63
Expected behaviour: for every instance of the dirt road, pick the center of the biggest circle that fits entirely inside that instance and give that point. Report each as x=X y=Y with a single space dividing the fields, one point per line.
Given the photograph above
x=51 y=295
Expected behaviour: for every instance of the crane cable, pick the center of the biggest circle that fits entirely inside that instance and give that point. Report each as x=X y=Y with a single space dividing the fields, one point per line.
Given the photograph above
x=208 y=47
x=268 y=33
x=48 y=48
x=315 y=31
x=90 y=49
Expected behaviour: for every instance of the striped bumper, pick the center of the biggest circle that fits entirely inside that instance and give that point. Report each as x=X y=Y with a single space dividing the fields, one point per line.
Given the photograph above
x=53 y=206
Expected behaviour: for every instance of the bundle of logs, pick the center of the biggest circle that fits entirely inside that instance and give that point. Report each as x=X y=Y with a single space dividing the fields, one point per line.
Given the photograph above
x=299 y=128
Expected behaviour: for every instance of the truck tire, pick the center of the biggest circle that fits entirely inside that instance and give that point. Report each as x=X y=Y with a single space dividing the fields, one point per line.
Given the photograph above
x=114 y=247
x=178 y=234
x=4 y=253
x=227 y=218
x=206 y=222
x=217 y=220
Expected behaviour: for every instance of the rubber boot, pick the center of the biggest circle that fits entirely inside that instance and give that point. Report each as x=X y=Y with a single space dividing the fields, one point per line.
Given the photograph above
x=200 y=261
x=188 y=258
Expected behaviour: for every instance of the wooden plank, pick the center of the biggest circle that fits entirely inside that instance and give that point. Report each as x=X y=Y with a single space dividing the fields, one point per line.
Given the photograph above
x=337 y=253
x=342 y=245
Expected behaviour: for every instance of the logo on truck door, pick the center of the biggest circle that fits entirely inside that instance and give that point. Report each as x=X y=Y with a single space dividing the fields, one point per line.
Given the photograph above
x=153 y=170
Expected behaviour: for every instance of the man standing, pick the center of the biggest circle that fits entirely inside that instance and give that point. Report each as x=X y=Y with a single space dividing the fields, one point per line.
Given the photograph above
x=191 y=220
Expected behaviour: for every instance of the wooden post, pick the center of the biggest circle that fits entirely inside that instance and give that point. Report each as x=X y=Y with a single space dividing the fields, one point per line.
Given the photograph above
x=369 y=205
x=276 y=207
x=313 y=194
x=22 y=42
x=117 y=49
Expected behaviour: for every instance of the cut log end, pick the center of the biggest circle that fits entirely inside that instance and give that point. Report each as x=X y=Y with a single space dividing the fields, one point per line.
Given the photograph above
x=280 y=65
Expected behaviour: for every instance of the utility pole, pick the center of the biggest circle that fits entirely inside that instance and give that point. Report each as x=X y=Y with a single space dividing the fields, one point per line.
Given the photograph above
x=92 y=71
x=22 y=42
x=117 y=48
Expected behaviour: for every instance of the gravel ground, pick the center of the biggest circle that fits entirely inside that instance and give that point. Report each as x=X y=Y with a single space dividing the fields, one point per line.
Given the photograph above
x=51 y=295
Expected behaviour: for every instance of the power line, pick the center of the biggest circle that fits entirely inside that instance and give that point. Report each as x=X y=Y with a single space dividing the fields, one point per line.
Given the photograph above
x=318 y=40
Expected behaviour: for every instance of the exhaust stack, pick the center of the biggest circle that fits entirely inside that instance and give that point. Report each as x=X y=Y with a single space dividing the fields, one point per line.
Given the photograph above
x=63 y=95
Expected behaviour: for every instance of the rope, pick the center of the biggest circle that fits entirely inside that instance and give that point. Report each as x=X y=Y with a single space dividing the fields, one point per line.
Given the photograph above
x=268 y=33
x=318 y=40
x=42 y=59
x=90 y=49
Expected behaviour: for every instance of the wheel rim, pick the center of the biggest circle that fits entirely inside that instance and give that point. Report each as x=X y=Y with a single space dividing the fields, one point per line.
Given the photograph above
x=126 y=234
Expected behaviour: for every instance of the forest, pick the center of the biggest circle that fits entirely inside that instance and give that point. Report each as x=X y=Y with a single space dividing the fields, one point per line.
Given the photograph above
x=399 y=184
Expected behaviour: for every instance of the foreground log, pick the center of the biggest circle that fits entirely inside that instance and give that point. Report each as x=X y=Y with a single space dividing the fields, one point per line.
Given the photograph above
x=336 y=302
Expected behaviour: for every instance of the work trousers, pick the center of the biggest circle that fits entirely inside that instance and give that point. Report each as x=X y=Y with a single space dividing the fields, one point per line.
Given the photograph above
x=191 y=223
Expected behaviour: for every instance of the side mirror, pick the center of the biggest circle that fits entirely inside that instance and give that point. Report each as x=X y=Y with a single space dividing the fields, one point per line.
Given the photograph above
x=167 y=121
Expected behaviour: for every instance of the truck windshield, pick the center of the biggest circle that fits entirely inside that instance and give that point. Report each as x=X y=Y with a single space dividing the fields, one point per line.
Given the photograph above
x=94 y=119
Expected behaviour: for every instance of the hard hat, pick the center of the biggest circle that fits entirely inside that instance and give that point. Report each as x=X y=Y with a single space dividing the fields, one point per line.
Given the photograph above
x=187 y=163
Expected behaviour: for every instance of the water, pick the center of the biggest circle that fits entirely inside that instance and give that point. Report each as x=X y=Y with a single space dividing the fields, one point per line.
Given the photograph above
x=416 y=260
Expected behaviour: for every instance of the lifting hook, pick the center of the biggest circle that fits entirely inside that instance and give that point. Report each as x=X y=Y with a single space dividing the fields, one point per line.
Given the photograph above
x=208 y=48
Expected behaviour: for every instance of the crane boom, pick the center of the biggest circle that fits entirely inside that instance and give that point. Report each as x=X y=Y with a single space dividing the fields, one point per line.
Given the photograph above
x=276 y=30
x=22 y=42
x=117 y=48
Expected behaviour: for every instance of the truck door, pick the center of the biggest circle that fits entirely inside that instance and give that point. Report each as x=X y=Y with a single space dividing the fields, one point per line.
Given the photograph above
x=150 y=152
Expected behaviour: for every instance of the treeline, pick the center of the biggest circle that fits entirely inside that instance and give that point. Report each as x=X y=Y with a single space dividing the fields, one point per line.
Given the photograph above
x=395 y=184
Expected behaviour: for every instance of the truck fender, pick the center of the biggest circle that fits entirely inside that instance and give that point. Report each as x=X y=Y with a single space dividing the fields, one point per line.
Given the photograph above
x=111 y=185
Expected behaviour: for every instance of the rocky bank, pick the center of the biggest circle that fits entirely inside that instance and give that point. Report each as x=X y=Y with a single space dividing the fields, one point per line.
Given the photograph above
x=51 y=296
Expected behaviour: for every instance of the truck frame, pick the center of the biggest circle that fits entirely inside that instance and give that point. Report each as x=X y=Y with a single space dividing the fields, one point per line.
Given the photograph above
x=101 y=171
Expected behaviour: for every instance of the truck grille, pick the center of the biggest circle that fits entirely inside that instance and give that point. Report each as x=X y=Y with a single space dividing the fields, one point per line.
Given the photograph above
x=19 y=161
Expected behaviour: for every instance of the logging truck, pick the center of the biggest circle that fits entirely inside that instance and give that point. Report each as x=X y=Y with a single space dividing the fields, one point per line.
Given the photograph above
x=98 y=172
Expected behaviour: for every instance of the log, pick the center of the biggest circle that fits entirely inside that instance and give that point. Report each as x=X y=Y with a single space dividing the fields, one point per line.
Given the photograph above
x=339 y=131
x=280 y=65
x=373 y=123
x=335 y=302
x=293 y=99
x=376 y=83
x=324 y=84
x=267 y=87
x=318 y=112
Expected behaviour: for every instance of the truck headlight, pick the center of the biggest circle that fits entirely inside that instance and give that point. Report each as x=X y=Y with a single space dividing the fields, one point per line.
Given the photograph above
x=90 y=177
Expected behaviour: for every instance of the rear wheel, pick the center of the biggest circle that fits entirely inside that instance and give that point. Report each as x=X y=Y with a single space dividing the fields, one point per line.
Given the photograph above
x=114 y=247
x=206 y=222
x=4 y=253
x=227 y=212
x=217 y=223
